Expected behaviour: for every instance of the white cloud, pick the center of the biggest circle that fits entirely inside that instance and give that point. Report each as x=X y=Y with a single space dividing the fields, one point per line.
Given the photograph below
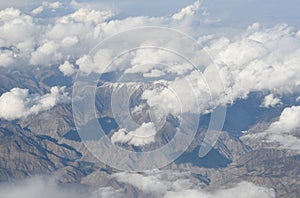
x=245 y=190
x=242 y=190
x=69 y=41
x=249 y=61
x=67 y=68
x=47 y=5
x=298 y=34
x=37 y=10
x=154 y=73
x=165 y=184
x=289 y=119
x=169 y=184
x=7 y=58
x=107 y=192
x=285 y=131
x=47 y=187
x=187 y=11
x=187 y=94
x=254 y=27
x=148 y=184
x=84 y=15
x=17 y=29
x=36 y=188
x=18 y=103
x=271 y=101
x=143 y=135
x=253 y=62
x=46 y=54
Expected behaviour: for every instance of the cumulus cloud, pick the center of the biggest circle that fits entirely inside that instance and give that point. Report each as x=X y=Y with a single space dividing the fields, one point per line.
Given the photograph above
x=73 y=33
x=67 y=68
x=18 y=103
x=271 y=101
x=249 y=61
x=17 y=37
x=7 y=58
x=47 y=5
x=252 y=62
x=15 y=26
x=85 y=15
x=187 y=11
x=47 y=54
x=188 y=94
x=143 y=135
x=285 y=131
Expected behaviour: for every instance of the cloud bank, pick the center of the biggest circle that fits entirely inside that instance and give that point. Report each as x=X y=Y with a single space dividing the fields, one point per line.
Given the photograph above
x=160 y=184
x=249 y=61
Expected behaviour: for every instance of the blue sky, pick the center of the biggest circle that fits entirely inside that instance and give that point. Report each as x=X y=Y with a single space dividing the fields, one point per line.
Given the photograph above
x=231 y=11
x=235 y=12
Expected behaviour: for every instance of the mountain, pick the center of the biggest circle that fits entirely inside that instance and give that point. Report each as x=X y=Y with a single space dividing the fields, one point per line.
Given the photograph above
x=48 y=144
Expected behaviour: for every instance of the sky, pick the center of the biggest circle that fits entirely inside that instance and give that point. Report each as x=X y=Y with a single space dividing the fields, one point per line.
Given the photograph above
x=231 y=11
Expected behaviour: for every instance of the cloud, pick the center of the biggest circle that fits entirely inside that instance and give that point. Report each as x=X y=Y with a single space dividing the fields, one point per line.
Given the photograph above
x=187 y=11
x=7 y=58
x=47 y=5
x=252 y=62
x=289 y=119
x=18 y=30
x=47 y=54
x=67 y=68
x=284 y=131
x=271 y=101
x=248 y=61
x=84 y=15
x=18 y=103
x=107 y=192
x=143 y=135
x=72 y=33
x=167 y=183
x=48 y=187
x=188 y=94
x=242 y=190
x=148 y=184
x=174 y=184
x=36 y=187
x=154 y=73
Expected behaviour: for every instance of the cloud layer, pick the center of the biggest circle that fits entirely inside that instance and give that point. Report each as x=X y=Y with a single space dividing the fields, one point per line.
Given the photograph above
x=174 y=184
x=249 y=61
x=157 y=184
